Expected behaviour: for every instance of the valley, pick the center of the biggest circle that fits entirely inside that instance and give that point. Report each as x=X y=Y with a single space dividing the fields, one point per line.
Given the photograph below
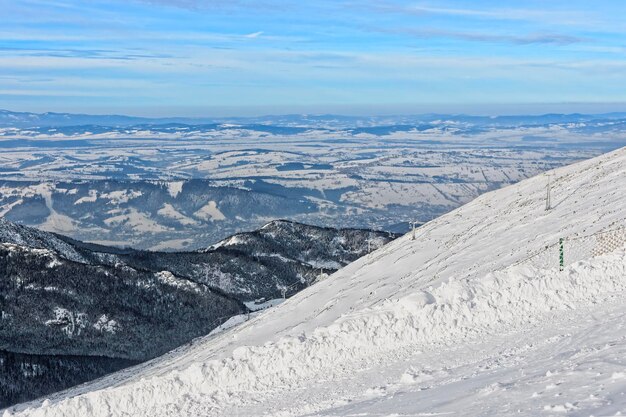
x=185 y=186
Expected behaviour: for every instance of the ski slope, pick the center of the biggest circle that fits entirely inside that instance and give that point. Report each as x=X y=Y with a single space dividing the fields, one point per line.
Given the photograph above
x=443 y=324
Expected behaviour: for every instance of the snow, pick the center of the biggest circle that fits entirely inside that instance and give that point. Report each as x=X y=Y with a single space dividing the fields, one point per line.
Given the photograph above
x=136 y=220
x=262 y=305
x=175 y=188
x=231 y=241
x=8 y=207
x=169 y=211
x=58 y=223
x=167 y=278
x=209 y=212
x=70 y=322
x=230 y=323
x=453 y=322
x=105 y=324
x=91 y=198
x=122 y=196
x=54 y=262
x=375 y=181
x=55 y=222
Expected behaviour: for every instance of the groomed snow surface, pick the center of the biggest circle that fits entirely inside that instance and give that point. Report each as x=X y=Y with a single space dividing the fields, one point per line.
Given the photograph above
x=445 y=324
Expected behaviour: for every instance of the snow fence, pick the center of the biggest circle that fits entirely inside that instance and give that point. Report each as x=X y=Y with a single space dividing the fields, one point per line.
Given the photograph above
x=574 y=248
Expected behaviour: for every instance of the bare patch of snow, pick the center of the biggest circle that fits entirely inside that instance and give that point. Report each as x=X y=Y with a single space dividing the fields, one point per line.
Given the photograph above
x=104 y=324
x=175 y=188
x=136 y=220
x=91 y=198
x=210 y=212
x=169 y=211
x=167 y=278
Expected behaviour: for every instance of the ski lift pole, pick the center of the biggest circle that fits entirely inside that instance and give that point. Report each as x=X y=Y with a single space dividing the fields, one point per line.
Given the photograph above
x=413 y=223
x=285 y=290
x=561 y=255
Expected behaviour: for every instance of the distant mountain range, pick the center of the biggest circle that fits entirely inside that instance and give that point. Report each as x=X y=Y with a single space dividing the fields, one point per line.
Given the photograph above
x=72 y=311
x=50 y=119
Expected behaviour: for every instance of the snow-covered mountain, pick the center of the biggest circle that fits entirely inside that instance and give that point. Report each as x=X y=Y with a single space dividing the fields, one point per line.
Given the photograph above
x=52 y=119
x=155 y=215
x=459 y=320
x=72 y=311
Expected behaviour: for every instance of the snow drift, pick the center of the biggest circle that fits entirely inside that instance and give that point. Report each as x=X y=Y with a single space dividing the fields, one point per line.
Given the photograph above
x=457 y=284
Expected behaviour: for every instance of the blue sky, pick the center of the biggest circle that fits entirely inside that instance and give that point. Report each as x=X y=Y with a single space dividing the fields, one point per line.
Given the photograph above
x=239 y=57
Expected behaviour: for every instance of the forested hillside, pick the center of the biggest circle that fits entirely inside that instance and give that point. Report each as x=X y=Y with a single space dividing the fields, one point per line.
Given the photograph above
x=73 y=311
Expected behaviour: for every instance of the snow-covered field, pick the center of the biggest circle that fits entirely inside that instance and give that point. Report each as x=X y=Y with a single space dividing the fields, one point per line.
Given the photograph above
x=445 y=324
x=166 y=188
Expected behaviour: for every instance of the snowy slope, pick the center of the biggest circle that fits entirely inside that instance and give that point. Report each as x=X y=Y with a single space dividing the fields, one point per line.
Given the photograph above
x=441 y=323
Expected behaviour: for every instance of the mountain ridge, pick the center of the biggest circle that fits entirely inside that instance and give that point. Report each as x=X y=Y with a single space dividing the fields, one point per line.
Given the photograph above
x=55 y=119
x=73 y=311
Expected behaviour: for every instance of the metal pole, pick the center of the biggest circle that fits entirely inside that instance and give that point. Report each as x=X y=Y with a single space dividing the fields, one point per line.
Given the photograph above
x=561 y=257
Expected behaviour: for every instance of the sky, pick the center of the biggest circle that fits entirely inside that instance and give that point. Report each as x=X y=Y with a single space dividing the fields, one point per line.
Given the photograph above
x=240 y=57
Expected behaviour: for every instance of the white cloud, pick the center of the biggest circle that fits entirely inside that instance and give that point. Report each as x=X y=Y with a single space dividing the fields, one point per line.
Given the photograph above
x=560 y=17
